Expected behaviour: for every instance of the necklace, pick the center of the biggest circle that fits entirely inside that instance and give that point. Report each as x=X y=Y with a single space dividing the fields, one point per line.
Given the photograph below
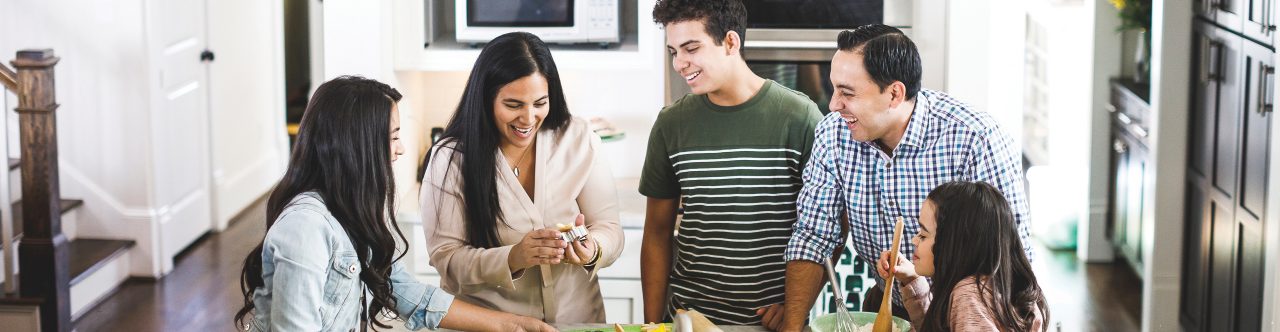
x=515 y=167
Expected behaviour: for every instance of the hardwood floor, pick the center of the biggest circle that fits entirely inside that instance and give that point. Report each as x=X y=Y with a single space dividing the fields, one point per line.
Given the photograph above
x=202 y=292
x=1088 y=297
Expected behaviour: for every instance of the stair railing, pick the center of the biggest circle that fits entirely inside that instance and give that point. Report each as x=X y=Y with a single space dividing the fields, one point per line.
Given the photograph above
x=43 y=253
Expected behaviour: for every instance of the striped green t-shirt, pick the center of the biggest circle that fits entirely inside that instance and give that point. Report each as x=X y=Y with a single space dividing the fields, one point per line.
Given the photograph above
x=737 y=170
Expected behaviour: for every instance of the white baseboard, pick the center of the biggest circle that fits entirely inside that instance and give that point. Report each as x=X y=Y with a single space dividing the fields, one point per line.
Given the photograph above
x=236 y=192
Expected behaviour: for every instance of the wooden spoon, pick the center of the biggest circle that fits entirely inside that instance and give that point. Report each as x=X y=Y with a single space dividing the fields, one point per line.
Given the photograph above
x=884 y=318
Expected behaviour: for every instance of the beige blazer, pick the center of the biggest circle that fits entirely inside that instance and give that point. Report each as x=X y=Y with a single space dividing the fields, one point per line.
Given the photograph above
x=570 y=177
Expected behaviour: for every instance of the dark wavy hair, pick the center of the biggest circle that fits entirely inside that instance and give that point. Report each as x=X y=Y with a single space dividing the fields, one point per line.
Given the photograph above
x=719 y=16
x=977 y=236
x=887 y=54
x=509 y=57
x=343 y=152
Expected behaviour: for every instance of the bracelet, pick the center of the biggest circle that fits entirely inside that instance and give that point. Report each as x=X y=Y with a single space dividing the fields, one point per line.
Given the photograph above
x=596 y=258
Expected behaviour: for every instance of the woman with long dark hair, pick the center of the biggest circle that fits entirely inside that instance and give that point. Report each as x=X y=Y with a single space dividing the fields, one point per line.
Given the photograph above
x=982 y=281
x=328 y=261
x=512 y=164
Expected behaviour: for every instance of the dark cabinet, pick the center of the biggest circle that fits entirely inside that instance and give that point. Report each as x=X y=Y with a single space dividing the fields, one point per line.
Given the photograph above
x=1130 y=160
x=1258 y=21
x=1228 y=142
x=1254 y=19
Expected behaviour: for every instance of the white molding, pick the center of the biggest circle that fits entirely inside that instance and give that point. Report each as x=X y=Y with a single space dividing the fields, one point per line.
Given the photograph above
x=233 y=194
x=10 y=265
x=106 y=217
x=70 y=172
x=1163 y=227
x=188 y=208
x=1271 y=301
x=1092 y=232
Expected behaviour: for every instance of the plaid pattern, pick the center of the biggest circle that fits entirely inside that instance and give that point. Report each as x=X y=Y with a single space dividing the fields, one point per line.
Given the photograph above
x=945 y=141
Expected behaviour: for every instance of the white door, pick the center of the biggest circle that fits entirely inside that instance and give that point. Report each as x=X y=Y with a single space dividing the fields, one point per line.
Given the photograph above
x=246 y=102
x=179 y=125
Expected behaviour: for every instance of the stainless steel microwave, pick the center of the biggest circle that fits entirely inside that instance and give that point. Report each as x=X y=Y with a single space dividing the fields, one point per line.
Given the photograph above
x=805 y=30
x=555 y=21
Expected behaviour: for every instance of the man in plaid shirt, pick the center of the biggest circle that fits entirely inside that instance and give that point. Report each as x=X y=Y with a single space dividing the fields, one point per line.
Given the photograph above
x=886 y=144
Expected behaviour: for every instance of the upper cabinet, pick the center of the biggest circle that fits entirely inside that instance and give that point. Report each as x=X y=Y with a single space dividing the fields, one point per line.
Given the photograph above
x=1255 y=19
x=1259 y=21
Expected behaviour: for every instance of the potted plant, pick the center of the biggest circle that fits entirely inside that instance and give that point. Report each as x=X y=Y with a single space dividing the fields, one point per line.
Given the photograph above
x=1136 y=15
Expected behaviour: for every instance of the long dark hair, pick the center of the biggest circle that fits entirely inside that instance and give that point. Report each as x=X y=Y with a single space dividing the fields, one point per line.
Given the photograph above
x=976 y=236
x=505 y=59
x=343 y=152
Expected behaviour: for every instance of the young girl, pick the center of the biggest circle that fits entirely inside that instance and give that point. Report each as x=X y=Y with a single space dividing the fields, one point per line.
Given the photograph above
x=329 y=261
x=968 y=244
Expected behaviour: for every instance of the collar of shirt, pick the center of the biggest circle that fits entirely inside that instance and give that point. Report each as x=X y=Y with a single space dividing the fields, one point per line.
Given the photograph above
x=917 y=126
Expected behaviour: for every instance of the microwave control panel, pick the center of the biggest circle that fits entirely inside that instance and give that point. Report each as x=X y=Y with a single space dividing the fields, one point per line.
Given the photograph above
x=604 y=16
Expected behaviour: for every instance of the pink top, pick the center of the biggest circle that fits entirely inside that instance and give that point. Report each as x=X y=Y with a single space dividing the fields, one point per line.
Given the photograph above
x=968 y=310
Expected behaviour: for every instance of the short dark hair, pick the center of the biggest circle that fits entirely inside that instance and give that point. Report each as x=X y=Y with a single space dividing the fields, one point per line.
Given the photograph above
x=887 y=54
x=719 y=16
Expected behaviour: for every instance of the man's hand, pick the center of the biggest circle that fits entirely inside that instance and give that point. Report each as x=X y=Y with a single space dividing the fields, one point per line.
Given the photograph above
x=771 y=316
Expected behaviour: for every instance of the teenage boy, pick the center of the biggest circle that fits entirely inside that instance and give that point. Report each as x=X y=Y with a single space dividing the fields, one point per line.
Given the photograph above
x=731 y=154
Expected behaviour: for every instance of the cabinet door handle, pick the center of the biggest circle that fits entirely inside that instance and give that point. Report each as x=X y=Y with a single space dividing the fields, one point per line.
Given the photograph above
x=1268 y=21
x=1204 y=59
x=1109 y=107
x=1212 y=59
x=1264 y=103
x=1120 y=147
x=1124 y=118
x=1142 y=133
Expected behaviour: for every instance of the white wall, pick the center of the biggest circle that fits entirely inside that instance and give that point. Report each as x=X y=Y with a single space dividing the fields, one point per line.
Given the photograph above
x=1162 y=230
x=1093 y=244
x=138 y=160
x=358 y=39
x=104 y=118
x=985 y=59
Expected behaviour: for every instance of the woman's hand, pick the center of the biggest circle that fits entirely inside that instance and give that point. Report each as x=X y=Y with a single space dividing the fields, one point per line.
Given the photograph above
x=581 y=252
x=526 y=324
x=903 y=270
x=542 y=246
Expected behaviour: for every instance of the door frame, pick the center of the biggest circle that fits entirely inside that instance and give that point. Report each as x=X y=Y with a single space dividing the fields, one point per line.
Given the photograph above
x=1271 y=304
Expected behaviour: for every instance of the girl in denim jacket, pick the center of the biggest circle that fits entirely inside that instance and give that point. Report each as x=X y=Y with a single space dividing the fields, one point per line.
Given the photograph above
x=329 y=260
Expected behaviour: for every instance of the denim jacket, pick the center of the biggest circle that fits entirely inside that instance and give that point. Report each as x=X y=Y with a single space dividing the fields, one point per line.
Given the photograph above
x=312 y=277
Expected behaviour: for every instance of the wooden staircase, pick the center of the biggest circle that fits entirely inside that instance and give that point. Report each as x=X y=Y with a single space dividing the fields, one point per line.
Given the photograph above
x=59 y=274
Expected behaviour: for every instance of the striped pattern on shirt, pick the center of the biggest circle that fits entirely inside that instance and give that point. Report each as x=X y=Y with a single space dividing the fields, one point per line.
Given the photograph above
x=736 y=170
x=739 y=205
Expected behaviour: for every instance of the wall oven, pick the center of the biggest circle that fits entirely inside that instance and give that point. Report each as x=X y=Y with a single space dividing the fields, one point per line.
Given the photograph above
x=792 y=41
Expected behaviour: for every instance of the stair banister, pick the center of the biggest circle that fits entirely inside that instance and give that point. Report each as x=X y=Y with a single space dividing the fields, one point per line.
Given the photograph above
x=42 y=254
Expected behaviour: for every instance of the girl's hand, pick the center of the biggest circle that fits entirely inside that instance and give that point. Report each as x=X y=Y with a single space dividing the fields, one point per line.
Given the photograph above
x=543 y=246
x=581 y=252
x=526 y=324
x=903 y=270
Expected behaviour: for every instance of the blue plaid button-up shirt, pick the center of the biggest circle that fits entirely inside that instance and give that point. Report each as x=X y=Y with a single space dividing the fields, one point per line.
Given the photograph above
x=945 y=141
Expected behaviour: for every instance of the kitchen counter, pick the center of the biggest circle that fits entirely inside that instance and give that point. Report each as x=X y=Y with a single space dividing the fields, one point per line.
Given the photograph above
x=609 y=327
